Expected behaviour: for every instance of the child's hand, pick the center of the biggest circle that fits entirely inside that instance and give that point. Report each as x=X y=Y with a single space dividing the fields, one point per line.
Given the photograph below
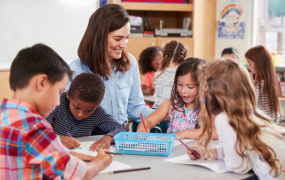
x=179 y=135
x=103 y=159
x=83 y=157
x=151 y=91
x=194 y=153
x=141 y=128
x=103 y=143
x=69 y=142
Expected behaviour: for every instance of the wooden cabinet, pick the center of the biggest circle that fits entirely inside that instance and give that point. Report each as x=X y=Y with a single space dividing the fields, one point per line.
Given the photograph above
x=137 y=44
x=152 y=13
x=5 y=91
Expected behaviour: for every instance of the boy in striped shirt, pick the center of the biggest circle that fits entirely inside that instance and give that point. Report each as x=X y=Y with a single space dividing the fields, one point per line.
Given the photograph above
x=80 y=113
x=29 y=149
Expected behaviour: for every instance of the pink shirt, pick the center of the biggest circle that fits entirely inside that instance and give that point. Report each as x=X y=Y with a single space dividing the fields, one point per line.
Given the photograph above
x=148 y=79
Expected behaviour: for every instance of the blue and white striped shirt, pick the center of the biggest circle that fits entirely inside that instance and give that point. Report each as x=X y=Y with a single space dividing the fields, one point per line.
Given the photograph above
x=63 y=121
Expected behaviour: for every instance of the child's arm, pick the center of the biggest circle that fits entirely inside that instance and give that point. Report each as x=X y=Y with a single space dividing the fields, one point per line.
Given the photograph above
x=69 y=142
x=104 y=143
x=154 y=118
x=100 y=162
x=201 y=153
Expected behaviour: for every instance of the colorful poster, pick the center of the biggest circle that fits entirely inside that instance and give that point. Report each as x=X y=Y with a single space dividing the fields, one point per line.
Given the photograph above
x=230 y=26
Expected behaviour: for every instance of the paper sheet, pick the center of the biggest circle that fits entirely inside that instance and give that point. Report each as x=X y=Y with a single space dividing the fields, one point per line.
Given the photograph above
x=115 y=165
x=176 y=142
x=217 y=165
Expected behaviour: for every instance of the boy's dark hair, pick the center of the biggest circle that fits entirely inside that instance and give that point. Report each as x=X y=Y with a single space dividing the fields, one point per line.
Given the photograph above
x=38 y=59
x=87 y=87
x=230 y=50
x=145 y=58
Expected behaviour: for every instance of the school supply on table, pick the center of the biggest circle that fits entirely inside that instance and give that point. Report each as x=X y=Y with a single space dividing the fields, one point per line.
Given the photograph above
x=177 y=142
x=143 y=122
x=153 y=144
x=114 y=166
x=215 y=165
x=109 y=152
x=129 y=170
x=193 y=152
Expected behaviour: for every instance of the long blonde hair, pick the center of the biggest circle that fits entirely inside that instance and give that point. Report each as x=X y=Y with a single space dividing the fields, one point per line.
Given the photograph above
x=225 y=86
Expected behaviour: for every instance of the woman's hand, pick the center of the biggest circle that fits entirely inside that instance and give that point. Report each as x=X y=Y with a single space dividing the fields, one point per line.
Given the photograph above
x=103 y=143
x=69 y=142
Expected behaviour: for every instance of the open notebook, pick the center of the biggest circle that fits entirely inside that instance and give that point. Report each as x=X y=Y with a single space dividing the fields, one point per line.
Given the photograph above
x=114 y=166
x=217 y=165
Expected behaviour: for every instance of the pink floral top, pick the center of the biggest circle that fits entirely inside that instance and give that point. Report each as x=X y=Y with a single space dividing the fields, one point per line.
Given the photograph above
x=182 y=120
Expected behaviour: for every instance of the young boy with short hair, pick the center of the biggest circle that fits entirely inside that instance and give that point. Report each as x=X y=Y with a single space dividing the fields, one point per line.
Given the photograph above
x=230 y=52
x=29 y=147
x=79 y=113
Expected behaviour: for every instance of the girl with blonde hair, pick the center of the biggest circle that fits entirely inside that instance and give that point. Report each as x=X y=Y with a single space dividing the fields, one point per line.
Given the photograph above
x=248 y=138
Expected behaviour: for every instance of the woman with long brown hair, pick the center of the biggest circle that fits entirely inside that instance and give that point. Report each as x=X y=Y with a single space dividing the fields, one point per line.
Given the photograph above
x=102 y=51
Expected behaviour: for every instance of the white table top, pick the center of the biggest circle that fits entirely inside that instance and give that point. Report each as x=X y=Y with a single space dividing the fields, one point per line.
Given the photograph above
x=161 y=169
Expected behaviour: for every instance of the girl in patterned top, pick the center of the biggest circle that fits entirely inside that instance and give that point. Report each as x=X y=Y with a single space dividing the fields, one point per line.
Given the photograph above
x=263 y=75
x=183 y=106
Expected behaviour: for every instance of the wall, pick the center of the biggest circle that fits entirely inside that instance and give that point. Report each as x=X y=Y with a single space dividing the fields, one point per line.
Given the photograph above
x=248 y=15
x=59 y=24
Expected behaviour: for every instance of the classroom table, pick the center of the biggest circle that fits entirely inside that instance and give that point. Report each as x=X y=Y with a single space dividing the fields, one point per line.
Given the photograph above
x=161 y=169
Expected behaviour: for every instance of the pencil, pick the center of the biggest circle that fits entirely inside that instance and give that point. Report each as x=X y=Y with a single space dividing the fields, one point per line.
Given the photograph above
x=128 y=170
x=193 y=152
x=109 y=152
x=143 y=122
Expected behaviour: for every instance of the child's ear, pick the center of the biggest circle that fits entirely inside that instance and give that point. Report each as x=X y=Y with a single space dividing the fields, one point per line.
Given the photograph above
x=42 y=81
x=67 y=94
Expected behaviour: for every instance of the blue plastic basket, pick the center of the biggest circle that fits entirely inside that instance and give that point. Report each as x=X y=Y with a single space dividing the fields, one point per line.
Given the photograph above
x=152 y=144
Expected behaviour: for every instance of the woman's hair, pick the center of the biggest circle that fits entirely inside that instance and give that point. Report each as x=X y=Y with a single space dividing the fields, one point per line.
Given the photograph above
x=145 y=58
x=93 y=48
x=173 y=51
x=264 y=71
x=225 y=86
x=191 y=66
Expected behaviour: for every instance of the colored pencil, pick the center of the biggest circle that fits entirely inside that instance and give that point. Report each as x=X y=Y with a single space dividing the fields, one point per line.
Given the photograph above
x=128 y=170
x=109 y=152
x=143 y=122
x=193 y=152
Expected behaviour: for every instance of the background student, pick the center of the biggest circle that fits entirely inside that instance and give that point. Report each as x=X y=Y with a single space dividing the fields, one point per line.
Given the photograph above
x=174 y=53
x=30 y=148
x=149 y=62
x=102 y=52
x=248 y=139
x=264 y=79
x=79 y=113
x=230 y=52
x=183 y=106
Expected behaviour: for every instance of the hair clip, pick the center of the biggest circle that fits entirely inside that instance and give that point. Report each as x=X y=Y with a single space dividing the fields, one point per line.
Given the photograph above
x=204 y=100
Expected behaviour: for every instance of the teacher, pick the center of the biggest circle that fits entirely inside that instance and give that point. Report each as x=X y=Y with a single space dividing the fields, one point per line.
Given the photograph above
x=102 y=51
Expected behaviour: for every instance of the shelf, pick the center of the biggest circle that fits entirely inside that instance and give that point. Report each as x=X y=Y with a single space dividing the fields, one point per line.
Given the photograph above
x=136 y=6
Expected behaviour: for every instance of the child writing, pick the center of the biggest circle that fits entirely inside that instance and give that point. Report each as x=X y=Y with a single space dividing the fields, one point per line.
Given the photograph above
x=263 y=74
x=79 y=113
x=149 y=62
x=248 y=138
x=183 y=106
x=29 y=147
x=174 y=53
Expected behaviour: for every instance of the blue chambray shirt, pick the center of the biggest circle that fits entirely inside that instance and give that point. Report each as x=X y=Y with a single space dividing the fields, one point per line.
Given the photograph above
x=123 y=96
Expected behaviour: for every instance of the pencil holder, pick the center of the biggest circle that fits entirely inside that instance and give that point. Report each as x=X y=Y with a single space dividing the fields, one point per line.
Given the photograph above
x=152 y=144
